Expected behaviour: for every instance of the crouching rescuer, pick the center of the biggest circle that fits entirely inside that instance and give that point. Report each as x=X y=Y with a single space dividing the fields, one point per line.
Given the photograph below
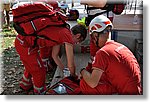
x=115 y=70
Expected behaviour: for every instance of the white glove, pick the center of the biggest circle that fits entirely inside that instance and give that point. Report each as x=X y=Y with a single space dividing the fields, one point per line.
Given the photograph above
x=66 y=72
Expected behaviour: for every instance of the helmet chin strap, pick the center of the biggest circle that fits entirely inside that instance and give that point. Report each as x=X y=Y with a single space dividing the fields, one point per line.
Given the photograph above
x=97 y=40
x=97 y=43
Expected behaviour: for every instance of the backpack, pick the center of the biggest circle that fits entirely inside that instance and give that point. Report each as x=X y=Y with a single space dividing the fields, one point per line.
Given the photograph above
x=66 y=86
x=118 y=9
x=31 y=18
x=115 y=8
x=73 y=15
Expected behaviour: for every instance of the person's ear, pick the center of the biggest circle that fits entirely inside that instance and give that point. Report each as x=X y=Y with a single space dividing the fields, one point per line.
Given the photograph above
x=95 y=36
x=78 y=35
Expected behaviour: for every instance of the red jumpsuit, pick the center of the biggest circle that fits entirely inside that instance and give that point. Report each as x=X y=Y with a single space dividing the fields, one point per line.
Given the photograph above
x=46 y=56
x=121 y=71
x=35 y=72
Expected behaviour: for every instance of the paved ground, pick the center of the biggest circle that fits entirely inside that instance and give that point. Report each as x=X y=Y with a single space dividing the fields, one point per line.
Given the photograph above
x=81 y=61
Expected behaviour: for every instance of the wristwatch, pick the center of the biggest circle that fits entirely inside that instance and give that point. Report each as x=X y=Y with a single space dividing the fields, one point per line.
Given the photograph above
x=82 y=70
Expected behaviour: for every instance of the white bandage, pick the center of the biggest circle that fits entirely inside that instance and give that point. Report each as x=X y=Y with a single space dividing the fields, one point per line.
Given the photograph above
x=76 y=1
x=72 y=1
x=68 y=1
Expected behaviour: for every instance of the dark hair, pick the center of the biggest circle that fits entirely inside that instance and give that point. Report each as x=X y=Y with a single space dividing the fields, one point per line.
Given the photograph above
x=79 y=29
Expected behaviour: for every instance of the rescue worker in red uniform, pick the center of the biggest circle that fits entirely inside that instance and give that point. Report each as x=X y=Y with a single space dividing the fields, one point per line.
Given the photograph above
x=114 y=69
x=93 y=50
x=46 y=52
x=34 y=73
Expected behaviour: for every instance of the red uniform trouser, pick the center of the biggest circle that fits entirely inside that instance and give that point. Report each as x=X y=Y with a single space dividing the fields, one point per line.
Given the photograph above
x=101 y=89
x=46 y=56
x=34 y=73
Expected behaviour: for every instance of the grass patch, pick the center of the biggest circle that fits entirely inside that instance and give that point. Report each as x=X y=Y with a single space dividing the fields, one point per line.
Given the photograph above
x=7 y=38
x=7 y=42
x=8 y=33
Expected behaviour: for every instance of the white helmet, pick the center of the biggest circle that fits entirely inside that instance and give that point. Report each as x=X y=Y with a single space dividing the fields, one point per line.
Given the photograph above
x=99 y=23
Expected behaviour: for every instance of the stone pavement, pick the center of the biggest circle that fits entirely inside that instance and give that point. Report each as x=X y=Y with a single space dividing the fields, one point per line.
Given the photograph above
x=81 y=61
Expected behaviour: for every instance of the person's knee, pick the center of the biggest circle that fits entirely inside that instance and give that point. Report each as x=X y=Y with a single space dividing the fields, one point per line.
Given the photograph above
x=83 y=85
